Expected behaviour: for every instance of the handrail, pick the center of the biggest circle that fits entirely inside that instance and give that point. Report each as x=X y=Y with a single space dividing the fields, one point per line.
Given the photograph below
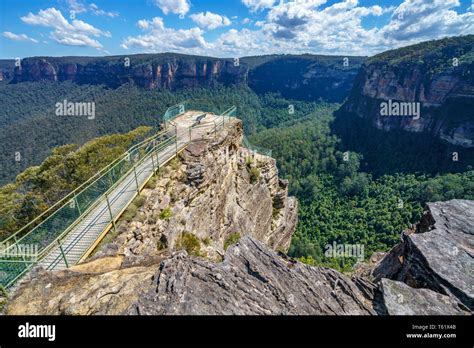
x=53 y=243
x=78 y=189
x=68 y=219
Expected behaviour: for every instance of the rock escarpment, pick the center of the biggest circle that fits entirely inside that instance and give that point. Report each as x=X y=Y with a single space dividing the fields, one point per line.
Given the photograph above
x=297 y=77
x=167 y=71
x=439 y=75
x=436 y=263
x=216 y=191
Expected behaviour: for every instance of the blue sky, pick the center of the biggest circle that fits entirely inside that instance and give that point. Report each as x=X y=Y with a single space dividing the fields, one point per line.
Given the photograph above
x=225 y=28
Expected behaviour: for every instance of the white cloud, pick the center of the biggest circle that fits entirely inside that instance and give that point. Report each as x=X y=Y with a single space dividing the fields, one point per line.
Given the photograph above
x=257 y=5
x=18 y=37
x=74 y=33
x=158 y=38
x=210 y=20
x=99 y=12
x=314 y=26
x=246 y=21
x=79 y=6
x=180 y=7
x=421 y=20
x=156 y=23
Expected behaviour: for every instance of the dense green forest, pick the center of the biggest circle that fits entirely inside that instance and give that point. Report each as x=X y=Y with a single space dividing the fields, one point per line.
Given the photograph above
x=39 y=187
x=339 y=202
x=30 y=128
x=342 y=198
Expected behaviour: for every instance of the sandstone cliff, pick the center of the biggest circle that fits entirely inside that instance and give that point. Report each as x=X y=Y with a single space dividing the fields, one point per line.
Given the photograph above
x=168 y=71
x=439 y=75
x=300 y=77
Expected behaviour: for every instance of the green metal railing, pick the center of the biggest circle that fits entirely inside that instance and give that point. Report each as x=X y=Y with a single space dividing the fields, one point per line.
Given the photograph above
x=49 y=230
x=52 y=225
x=256 y=149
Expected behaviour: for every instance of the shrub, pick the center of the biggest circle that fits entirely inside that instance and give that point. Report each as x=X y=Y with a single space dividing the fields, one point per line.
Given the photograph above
x=189 y=242
x=151 y=184
x=231 y=239
x=139 y=200
x=275 y=212
x=175 y=163
x=207 y=241
x=166 y=214
x=254 y=175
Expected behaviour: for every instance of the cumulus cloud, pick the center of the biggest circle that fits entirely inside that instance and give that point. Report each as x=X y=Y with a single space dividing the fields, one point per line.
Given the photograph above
x=257 y=5
x=180 y=7
x=210 y=20
x=74 y=33
x=79 y=6
x=18 y=37
x=315 y=26
x=420 y=20
x=158 y=38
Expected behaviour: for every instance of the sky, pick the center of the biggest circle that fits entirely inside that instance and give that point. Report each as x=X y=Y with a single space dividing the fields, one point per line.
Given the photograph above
x=225 y=28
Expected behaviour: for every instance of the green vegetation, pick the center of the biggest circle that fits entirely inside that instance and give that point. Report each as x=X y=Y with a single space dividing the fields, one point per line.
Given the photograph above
x=231 y=239
x=166 y=214
x=254 y=174
x=430 y=55
x=206 y=241
x=30 y=128
x=39 y=187
x=189 y=242
x=339 y=202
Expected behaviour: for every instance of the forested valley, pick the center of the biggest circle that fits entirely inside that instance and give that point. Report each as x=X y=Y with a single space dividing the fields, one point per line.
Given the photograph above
x=342 y=198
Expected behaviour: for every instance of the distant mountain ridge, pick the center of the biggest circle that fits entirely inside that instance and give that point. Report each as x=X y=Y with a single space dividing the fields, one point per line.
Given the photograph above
x=437 y=74
x=305 y=77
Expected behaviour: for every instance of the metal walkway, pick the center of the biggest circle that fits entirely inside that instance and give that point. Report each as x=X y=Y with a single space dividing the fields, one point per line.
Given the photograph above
x=70 y=230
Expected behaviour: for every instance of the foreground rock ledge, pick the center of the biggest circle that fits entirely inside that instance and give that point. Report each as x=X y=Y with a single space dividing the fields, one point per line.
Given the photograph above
x=252 y=279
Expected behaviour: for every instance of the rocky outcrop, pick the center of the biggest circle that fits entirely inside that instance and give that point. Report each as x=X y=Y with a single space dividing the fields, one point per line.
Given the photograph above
x=401 y=299
x=252 y=279
x=439 y=257
x=444 y=88
x=216 y=191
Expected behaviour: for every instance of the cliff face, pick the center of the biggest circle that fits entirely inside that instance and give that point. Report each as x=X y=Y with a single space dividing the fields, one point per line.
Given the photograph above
x=439 y=77
x=308 y=78
x=171 y=73
x=218 y=189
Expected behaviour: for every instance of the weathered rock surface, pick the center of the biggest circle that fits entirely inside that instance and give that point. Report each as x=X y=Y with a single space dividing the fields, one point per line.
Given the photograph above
x=439 y=256
x=252 y=279
x=400 y=299
x=212 y=195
